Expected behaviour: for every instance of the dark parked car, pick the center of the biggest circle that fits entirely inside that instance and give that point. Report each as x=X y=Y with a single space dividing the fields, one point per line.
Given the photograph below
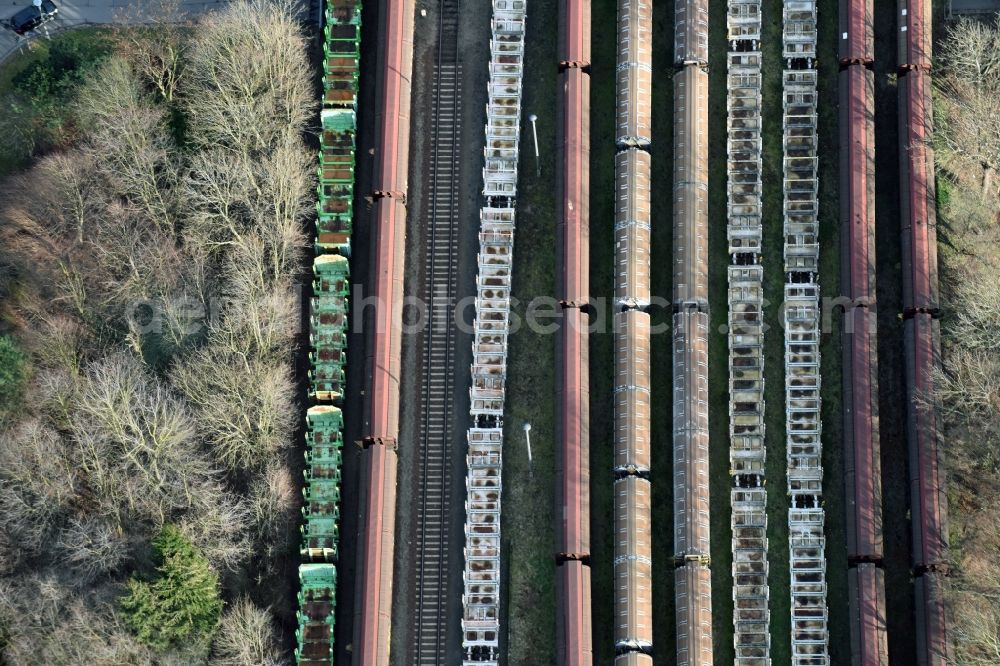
x=30 y=18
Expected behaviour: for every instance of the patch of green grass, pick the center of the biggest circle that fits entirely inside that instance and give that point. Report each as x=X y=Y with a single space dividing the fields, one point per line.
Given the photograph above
x=830 y=348
x=602 y=179
x=720 y=482
x=774 y=349
x=661 y=349
x=528 y=521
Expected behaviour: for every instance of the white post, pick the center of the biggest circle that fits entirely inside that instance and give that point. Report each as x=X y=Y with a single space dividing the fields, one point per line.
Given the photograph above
x=527 y=438
x=538 y=166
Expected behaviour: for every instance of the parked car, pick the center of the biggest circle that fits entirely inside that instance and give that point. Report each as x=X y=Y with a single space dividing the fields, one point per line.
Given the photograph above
x=30 y=18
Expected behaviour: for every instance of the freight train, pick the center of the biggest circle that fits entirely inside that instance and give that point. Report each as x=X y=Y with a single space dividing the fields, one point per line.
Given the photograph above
x=862 y=466
x=921 y=334
x=574 y=642
x=692 y=578
x=745 y=274
x=801 y=319
x=633 y=565
x=328 y=336
x=383 y=324
x=484 y=489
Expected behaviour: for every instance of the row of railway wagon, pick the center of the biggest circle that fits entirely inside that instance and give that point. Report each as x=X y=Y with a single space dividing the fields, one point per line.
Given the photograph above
x=863 y=491
x=574 y=641
x=921 y=333
x=921 y=336
x=745 y=274
x=481 y=576
x=633 y=563
x=328 y=336
x=375 y=541
x=632 y=495
x=801 y=322
x=692 y=576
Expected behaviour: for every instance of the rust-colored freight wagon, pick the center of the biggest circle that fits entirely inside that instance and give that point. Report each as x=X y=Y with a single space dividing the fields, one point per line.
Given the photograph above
x=632 y=228
x=691 y=32
x=574 y=643
x=693 y=585
x=934 y=646
x=915 y=30
x=573 y=433
x=921 y=334
x=857 y=32
x=917 y=194
x=690 y=417
x=377 y=502
x=631 y=392
x=857 y=182
x=573 y=634
x=690 y=197
x=866 y=596
x=862 y=466
x=928 y=492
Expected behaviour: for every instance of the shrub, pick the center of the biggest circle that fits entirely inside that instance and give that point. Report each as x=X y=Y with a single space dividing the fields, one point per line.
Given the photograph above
x=180 y=602
x=11 y=373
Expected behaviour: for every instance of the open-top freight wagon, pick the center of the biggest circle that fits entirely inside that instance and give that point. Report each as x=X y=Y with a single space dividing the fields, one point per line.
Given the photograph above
x=328 y=336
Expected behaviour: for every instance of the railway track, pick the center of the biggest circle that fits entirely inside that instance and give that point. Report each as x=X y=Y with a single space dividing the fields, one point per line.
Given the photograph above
x=439 y=218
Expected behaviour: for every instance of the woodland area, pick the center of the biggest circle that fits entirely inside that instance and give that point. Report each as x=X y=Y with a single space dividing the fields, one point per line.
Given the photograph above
x=148 y=308
x=968 y=190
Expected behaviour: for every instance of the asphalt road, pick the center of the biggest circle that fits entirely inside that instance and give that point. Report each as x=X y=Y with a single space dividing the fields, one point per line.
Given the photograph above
x=75 y=13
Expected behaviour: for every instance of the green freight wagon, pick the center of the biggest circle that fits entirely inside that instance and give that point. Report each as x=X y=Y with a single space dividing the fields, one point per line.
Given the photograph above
x=335 y=207
x=342 y=51
x=326 y=377
x=319 y=532
x=328 y=324
x=328 y=332
x=331 y=276
x=317 y=602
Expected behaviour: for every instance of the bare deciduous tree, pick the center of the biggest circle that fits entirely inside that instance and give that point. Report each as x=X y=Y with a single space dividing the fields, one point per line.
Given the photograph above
x=246 y=637
x=968 y=386
x=137 y=447
x=246 y=88
x=245 y=409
